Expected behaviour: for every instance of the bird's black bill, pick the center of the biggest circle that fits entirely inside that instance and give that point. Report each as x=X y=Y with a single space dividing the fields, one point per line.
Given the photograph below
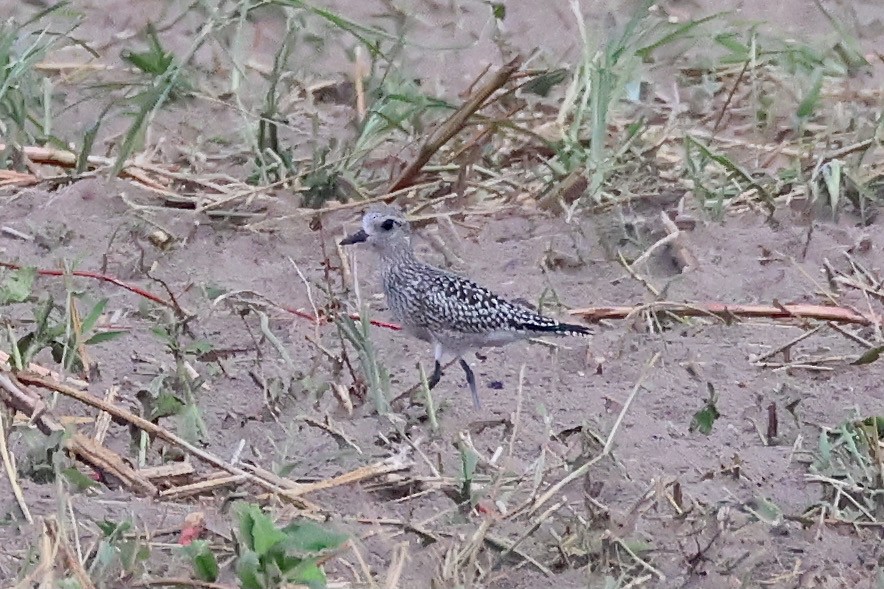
x=357 y=237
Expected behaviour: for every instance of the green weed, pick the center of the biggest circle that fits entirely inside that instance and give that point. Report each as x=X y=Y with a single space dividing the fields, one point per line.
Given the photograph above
x=43 y=457
x=848 y=464
x=377 y=379
x=166 y=79
x=58 y=328
x=269 y=556
x=156 y=62
x=119 y=556
x=176 y=393
x=205 y=565
x=706 y=417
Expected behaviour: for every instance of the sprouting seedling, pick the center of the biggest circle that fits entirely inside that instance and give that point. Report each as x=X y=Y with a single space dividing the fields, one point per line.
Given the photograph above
x=155 y=61
x=704 y=419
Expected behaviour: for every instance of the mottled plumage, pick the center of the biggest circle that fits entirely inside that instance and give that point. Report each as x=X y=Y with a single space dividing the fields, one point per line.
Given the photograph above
x=451 y=312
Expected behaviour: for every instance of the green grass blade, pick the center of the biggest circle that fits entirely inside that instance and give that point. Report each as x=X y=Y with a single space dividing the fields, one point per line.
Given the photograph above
x=731 y=167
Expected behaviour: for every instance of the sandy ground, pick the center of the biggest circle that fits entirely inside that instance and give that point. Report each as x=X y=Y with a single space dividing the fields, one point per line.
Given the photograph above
x=689 y=500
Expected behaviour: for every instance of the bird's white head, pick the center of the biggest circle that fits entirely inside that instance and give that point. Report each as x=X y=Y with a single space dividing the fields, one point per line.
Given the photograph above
x=385 y=229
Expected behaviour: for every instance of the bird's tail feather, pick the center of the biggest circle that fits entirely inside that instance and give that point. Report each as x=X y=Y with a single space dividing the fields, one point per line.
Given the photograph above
x=556 y=328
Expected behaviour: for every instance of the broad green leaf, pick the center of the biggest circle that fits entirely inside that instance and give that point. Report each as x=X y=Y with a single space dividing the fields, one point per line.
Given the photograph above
x=877 y=423
x=114 y=529
x=243 y=512
x=247 y=567
x=832 y=177
x=766 y=511
x=308 y=573
x=165 y=405
x=16 y=287
x=729 y=41
x=543 y=83
x=469 y=460
x=704 y=419
x=104 y=555
x=191 y=424
x=205 y=565
x=638 y=546
x=257 y=530
x=265 y=534
x=825 y=447
x=310 y=537
x=163 y=334
x=199 y=347
x=76 y=478
x=213 y=292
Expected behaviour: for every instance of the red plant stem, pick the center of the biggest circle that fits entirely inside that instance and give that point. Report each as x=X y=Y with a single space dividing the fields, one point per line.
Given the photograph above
x=787 y=311
x=152 y=297
x=98 y=276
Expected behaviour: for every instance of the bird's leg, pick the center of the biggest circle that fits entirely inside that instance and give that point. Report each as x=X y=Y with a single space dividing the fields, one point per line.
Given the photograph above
x=437 y=374
x=437 y=369
x=471 y=380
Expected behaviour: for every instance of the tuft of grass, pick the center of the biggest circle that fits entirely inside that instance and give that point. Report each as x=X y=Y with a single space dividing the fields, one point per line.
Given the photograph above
x=605 y=76
x=399 y=111
x=273 y=160
x=849 y=466
x=717 y=178
x=837 y=185
x=377 y=378
x=25 y=96
x=166 y=78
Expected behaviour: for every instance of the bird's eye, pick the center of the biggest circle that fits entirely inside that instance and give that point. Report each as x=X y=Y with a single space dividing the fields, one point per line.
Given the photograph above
x=388 y=224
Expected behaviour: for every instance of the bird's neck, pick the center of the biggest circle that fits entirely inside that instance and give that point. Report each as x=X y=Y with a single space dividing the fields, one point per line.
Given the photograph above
x=397 y=253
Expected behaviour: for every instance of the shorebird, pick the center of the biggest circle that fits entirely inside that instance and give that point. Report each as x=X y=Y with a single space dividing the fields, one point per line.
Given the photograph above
x=451 y=312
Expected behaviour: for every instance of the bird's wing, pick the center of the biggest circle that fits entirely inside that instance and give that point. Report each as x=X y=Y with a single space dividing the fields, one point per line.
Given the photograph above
x=454 y=303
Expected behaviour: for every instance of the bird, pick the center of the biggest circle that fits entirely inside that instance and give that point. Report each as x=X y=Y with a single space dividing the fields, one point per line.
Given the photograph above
x=447 y=310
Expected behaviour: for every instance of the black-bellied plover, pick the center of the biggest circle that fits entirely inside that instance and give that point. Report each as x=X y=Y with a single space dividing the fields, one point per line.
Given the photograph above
x=451 y=312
